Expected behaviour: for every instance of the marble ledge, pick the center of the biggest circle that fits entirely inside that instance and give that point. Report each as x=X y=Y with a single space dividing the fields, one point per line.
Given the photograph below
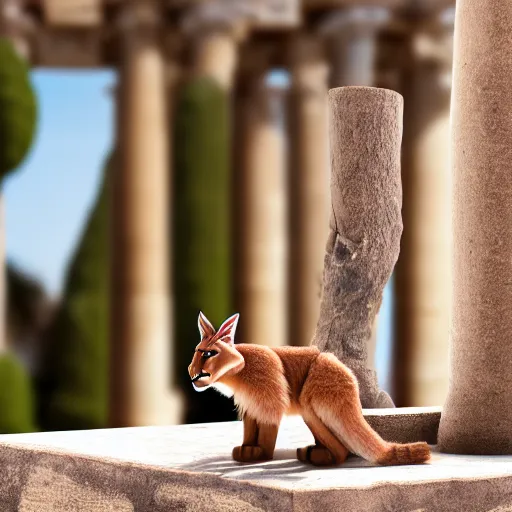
x=189 y=468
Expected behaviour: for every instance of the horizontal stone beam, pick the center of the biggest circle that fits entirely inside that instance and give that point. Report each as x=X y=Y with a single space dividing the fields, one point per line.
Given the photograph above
x=189 y=467
x=67 y=48
x=255 y=14
x=73 y=13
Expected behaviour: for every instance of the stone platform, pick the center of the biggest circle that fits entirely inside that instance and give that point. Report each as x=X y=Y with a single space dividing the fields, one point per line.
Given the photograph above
x=189 y=468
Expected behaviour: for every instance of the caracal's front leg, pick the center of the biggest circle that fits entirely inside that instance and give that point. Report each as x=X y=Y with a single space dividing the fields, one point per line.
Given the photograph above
x=259 y=442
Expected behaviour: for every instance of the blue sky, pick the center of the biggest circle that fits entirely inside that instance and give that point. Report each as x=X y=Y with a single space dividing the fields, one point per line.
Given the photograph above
x=48 y=198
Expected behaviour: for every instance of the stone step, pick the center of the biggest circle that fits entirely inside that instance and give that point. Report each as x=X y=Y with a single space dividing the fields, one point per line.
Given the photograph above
x=189 y=468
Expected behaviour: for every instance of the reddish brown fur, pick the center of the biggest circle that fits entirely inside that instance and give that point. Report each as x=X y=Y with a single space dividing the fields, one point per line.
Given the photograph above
x=270 y=382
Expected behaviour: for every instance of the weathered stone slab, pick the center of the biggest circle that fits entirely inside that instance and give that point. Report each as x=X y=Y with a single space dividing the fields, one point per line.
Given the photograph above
x=66 y=48
x=73 y=13
x=258 y=14
x=405 y=424
x=189 y=468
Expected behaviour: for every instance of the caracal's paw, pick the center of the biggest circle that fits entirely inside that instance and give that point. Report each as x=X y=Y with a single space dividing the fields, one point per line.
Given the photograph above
x=248 y=453
x=316 y=455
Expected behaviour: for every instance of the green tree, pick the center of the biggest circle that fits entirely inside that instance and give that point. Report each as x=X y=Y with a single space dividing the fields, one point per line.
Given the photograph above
x=74 y=383
x=202 y=235
x=18 y=109
x=18 y=120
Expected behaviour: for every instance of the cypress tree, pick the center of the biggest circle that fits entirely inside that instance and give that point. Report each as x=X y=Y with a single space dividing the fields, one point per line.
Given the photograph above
x=74 y=386
x=202 y=234
x=18 y=109
x=18 y=119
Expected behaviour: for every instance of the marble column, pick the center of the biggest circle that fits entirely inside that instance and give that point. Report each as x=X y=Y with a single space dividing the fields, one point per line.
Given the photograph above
x=423 y=271
x=260 y=185
x=309 y=192
x=140 y=359
x=352 y=34
x=477 y=413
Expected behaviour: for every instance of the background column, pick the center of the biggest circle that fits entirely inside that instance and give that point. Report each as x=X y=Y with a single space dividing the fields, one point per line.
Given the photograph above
x=140 y=302
x=309 y=193
x=353 y=44
x=260 y=190
x=423 y=271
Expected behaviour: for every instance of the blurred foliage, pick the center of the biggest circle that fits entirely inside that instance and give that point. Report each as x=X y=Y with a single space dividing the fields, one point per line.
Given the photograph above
x=27 y=304
x=16 y=397
x=74 y=383
x=202 y=234
x=18 y=115
x=18 y=109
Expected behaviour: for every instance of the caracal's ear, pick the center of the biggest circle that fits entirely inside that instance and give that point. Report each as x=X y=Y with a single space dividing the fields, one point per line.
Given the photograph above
x=227 y=330
x=205 y=327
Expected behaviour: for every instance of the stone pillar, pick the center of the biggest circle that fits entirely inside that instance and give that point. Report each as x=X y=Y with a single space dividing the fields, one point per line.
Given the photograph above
x=140 y=300
x=260 y=284
x=477 y=415
x=423 y=272
x=352 y=36
x=309 y=205
x=365 y=226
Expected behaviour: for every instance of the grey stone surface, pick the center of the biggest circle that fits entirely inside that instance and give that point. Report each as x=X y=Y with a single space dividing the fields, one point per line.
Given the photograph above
x=365 y=133
x=189 y=468
x=405 y=424
x=477 y=415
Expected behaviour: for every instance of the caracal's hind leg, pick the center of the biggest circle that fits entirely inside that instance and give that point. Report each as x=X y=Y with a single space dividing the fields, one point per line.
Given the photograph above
x=259 y=442
x=328 y=450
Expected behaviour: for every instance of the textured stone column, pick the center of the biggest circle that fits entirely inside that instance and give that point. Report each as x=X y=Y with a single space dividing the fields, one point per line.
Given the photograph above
x=477 y=415
x=309 y=205
x=365 y=226
x=352 y=39
x=140 y=299
x=423 y=272
x=260 y=284
x=352 y=32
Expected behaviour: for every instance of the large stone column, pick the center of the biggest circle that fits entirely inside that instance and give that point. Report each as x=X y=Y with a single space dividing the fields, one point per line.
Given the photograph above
x=260 y=283
x=477 y=415
x=423 y=272
x=140 y=298
x=365 y=225
x=352 y=39
x=352 y=34
x=309 y=205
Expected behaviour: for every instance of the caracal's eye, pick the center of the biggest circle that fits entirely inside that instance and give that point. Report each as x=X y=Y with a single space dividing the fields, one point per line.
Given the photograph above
x=209 y=353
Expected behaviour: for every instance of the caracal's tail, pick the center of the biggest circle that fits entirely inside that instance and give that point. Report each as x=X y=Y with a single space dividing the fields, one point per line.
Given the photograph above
x=356 y=434
x=333 y=396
